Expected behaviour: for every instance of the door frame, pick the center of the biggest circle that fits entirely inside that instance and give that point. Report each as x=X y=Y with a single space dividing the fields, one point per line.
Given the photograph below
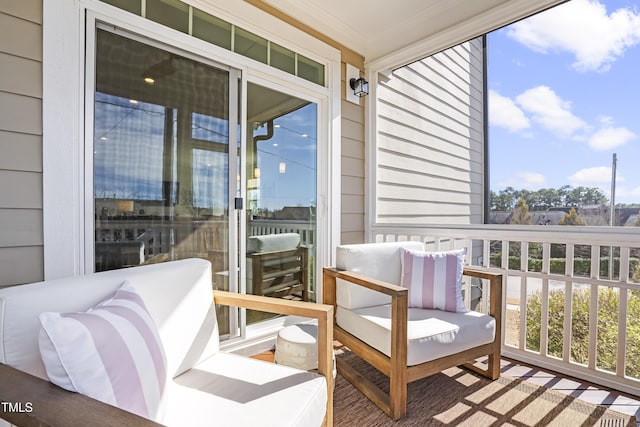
x=67 y=205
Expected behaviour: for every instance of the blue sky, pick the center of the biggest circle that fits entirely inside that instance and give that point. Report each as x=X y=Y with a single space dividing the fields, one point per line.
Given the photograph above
x=294 y=144
x=564 y=96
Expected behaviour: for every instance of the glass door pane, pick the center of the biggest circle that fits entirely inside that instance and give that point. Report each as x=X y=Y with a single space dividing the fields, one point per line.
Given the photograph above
x=161 y=157
x=281 y=196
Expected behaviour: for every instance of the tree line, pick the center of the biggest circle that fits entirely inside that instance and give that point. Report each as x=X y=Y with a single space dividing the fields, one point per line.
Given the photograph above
x=546 y=198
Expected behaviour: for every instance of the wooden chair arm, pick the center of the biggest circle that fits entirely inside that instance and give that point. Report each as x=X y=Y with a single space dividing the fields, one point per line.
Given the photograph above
x=322 y=312
x=331 y=274
x=367 y=282
x=274 y=305
x=29 y=401
x=495 y=288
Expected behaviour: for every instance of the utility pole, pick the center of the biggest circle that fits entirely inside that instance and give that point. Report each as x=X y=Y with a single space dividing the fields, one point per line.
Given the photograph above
x=612 y=209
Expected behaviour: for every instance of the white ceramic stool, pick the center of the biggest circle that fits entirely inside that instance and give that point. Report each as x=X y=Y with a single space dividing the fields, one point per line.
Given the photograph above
x=297 y=346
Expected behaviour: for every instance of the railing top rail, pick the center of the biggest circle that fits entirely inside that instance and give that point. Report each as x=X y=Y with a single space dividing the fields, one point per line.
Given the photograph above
x=618 y=236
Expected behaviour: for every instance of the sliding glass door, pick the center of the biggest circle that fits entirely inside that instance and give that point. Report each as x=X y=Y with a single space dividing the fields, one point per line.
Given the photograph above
x=168 y=159
x=281 y=158
x=161 y=156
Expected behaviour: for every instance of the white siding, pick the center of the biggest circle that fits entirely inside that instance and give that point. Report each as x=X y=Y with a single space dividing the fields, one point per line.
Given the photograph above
x=430 y=140
x=21 y=254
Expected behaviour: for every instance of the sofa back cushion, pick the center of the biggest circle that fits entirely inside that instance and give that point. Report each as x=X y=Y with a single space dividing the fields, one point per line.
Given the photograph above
x=380 y=261
x=178 y=295
x=273 y=242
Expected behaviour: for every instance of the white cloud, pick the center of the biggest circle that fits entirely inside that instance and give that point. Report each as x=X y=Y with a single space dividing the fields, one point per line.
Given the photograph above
x=593 y=176
x=631 y=194
x=584 y=29
x=551 y=111
x=503 y=112
x=528 y=180
x=609 y=137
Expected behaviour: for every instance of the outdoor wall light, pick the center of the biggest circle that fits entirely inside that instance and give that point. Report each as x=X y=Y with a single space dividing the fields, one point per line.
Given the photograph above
x=360 y=86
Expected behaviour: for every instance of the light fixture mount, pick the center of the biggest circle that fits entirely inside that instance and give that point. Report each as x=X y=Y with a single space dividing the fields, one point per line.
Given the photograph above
x=360 y=86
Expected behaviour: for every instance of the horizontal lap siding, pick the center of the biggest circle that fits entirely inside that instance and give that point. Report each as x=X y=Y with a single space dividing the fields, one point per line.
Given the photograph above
x=430 y=140
x=21 y=235
x=352 y=166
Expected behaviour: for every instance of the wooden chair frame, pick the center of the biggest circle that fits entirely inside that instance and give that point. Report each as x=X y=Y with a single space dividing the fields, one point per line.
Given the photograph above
x=53 y=406
x=395 y=367
x=289 y=276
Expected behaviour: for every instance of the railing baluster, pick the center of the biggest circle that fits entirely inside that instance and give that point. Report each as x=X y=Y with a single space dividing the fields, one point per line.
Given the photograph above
x=593 y=307
x=622 y=332
x=544 y=318
x=566 y=336
x=523 y=313
x=505 y=254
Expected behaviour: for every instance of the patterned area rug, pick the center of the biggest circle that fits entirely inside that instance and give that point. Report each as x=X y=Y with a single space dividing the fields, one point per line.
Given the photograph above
x=458 y=397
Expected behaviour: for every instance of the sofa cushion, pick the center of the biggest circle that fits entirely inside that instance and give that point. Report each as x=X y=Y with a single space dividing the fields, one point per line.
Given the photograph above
x=431 y=334
x=380 y=261
x=273 y=242
x=434 y=279
x=111 y=352
x=232 y=390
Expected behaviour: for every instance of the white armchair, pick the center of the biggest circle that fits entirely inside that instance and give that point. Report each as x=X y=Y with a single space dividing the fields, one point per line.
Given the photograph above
x=373 y=319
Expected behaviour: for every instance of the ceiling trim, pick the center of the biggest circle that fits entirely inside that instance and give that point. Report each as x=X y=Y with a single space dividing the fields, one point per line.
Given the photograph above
x=348 y=55
x=491 y=20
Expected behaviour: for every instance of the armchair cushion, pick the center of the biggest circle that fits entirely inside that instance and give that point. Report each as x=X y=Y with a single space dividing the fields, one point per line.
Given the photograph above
x=111 y=352
x=380 y=261
x=273 y=242
x=434 y=279
x=431 y=334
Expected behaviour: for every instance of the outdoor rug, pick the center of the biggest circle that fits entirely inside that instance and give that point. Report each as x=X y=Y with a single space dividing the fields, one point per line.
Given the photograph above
x=458 y=397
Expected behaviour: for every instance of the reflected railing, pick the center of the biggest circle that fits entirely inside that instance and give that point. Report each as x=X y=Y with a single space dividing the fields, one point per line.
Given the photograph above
x=306 y=229
x=566 y=307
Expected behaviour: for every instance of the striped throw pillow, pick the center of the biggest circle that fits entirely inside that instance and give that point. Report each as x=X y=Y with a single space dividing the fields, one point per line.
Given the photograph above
x=111 y=352
x=434 y=279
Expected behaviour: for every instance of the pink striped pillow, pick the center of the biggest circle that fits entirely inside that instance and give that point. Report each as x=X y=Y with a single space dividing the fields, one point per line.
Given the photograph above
x=111 y=352
x=434 y=279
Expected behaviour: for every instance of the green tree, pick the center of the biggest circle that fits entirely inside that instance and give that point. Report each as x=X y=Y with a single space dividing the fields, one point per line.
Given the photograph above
x=521 y=215
x=545 y=198
x=572 y=218
x=499 y=202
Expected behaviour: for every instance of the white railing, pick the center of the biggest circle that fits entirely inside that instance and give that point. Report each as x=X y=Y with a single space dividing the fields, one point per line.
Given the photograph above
x=564 y=309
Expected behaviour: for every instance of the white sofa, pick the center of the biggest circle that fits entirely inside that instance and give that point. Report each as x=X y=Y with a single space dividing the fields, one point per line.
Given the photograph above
x=373 y=319
x=206 y=386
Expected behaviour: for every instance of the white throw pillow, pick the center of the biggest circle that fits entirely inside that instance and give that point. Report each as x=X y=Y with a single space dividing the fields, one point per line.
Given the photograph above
x=111 y=352
x=434 y=279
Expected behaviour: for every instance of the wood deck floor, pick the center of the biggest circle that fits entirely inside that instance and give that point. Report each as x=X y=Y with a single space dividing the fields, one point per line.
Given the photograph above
x=573 y=387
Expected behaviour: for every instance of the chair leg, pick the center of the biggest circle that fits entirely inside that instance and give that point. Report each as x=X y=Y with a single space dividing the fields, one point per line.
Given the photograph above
x=493 y=367
x=398 y=382
x=397 y=397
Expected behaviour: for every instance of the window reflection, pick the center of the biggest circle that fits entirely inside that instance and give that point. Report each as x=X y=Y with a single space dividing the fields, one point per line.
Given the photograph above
x=161 y=132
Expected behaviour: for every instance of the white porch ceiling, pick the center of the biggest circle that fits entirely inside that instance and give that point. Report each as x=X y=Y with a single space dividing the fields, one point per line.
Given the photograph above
x=391 y=33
